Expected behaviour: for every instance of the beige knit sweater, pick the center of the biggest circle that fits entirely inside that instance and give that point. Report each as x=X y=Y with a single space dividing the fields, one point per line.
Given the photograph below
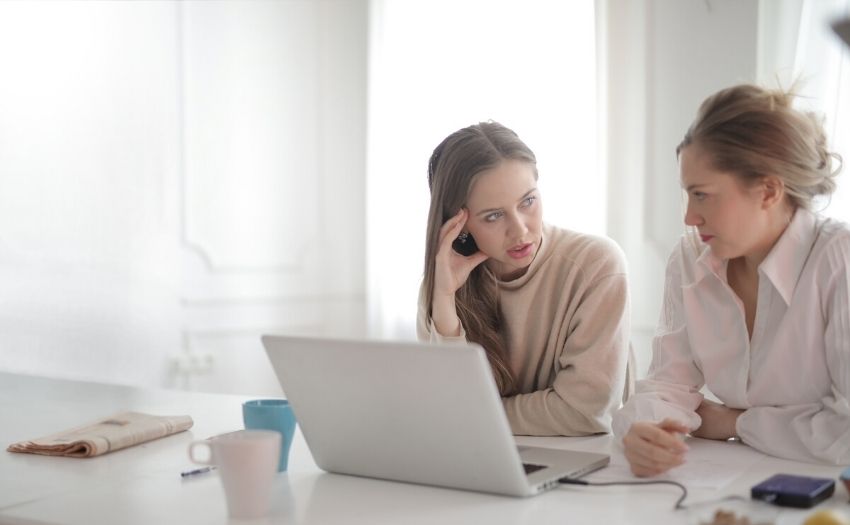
x=567 y=327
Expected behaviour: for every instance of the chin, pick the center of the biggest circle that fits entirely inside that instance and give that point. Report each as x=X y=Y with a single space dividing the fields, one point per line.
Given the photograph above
x=725 y=253
x=720 y=253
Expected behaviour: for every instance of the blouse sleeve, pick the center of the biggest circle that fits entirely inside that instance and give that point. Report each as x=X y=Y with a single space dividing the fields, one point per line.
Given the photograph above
x=671 y=388
x=814 y=431
x=592 y=366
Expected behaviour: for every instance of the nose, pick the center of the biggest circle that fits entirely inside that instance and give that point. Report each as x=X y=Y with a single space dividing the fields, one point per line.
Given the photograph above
x=692 y=218
x=517 y=228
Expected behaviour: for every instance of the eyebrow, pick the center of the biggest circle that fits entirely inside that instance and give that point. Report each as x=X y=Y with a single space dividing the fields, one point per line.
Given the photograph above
x=524 y=196
x=694 y=186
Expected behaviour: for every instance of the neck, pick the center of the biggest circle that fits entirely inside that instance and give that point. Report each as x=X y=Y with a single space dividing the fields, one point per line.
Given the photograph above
x=505 y=273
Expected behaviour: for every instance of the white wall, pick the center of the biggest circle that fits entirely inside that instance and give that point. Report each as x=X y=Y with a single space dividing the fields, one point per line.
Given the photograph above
x=661 y=59
x=274 y=213
x=177 y=178
x=441 y=65
x=88 y=150
x=172 y=179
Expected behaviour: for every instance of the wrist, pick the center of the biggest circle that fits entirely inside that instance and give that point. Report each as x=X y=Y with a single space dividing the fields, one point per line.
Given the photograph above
x=444 y=316
x=736 y=435
x=733 y=424
x=448 y=329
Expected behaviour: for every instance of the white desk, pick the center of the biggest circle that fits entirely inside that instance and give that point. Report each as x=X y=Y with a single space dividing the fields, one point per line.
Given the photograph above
x=142 y=485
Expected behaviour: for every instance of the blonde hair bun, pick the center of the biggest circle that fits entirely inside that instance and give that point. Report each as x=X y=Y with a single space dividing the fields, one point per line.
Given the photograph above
x=753 y=132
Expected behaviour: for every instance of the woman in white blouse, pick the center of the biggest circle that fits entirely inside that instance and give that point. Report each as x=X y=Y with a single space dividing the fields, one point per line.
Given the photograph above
x=756 y=298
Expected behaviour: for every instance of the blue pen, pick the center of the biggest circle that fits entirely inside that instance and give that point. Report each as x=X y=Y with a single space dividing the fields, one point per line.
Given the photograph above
x=202 y=470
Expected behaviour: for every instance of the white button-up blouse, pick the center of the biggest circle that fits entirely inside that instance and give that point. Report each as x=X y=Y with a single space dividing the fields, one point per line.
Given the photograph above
x=792 y=378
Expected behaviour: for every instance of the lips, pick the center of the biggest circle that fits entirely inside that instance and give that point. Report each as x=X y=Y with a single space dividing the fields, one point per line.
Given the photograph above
x=521 y=251
x=706 y=238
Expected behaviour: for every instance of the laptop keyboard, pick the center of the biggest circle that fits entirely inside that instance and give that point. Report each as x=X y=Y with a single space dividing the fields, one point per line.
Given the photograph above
x=529 y=467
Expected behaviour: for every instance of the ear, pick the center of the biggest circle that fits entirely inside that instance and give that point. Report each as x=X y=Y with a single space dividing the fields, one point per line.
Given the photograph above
x=773 y=191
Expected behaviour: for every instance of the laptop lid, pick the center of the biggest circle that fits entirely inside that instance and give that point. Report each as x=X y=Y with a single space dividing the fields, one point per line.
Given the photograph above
x=408 y=411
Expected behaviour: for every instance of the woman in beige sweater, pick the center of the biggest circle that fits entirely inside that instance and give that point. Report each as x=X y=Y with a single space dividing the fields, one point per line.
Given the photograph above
x=549 y=306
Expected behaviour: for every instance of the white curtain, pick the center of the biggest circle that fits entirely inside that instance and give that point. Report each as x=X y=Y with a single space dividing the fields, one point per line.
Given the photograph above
x=445 y=64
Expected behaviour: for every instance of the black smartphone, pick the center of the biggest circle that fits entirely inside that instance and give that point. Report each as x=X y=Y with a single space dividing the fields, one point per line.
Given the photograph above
x=465 y=245
x=793 y=491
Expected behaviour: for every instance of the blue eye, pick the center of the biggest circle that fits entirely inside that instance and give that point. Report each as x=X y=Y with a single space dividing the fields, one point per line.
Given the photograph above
x=698 y=195
x=493 y=216
x=528 y=201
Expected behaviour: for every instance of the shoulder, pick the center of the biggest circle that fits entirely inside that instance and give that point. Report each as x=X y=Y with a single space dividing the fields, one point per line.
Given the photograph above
x=834 y=233
x=585 y=250
x=832 y=247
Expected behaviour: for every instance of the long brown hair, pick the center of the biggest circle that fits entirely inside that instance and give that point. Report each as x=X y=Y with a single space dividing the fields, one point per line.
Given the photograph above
x=452 y=170
x=752 y=132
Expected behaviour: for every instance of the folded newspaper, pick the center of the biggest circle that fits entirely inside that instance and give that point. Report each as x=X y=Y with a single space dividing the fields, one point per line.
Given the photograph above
x=105 y=435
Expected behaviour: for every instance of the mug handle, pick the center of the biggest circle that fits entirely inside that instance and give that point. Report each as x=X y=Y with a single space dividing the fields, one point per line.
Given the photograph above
x=192 y=446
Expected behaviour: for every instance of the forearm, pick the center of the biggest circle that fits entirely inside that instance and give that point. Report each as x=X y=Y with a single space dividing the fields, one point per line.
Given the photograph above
x=812 y=432
x=581 y=400
x=444 y=315
x=545 y=413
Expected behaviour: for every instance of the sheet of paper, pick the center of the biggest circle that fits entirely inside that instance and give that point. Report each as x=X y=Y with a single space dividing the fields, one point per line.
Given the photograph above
x=709 y=465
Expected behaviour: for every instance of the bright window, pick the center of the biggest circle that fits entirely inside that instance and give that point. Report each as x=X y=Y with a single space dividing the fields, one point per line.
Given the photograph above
x=441 y=65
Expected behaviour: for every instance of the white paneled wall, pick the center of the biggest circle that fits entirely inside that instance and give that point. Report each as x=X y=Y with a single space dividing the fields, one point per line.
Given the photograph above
x=272 y=235
x=176 y=179
x=89 y=126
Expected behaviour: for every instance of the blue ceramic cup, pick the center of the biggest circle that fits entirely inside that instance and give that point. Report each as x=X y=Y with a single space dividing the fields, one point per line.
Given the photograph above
x=272 y=414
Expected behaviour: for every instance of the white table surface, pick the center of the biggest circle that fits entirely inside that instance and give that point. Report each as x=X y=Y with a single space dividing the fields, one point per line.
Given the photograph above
x=142 y=484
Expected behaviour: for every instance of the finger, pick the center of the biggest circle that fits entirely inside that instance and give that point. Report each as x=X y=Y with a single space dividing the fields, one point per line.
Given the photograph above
x=645 y=471
x=654 y=454
x=671 y=425
x=660 y=456
x=452 y=228
x=454 y=223
x=675 y=434
x=666 y=440
x=642 y=465
x=476 y=258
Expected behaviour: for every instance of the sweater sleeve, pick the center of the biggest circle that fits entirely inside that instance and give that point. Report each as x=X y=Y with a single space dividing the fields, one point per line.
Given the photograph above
x=817 y=431
x=671 y=388
x=589 y=383
x=425 y=330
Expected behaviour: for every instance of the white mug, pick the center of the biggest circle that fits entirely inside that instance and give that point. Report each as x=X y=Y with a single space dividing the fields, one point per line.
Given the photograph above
x=247 y=463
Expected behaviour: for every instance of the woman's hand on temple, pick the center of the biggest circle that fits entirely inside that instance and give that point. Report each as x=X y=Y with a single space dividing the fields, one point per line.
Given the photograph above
x=451 y=271
x=653 y=448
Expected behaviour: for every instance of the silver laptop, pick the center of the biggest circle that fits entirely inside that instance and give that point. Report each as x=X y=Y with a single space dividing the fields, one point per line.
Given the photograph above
x=412 y=412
